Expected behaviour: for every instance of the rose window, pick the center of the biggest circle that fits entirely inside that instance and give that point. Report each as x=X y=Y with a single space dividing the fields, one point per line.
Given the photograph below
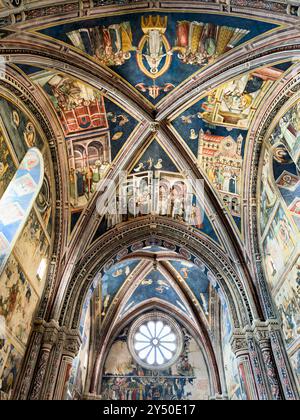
x=155 y=341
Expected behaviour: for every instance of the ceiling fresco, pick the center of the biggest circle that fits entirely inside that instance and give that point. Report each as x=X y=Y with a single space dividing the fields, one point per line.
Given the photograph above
x=156 y=52
x=153 y=283
x=95 y=130
x=154 y=286
x=155 y=185
x=287 y=176
x=113 y=280
x=216 y=128
x=199 y=279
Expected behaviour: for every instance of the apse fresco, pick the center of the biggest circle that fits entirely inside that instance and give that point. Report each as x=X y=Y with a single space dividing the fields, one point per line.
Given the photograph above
x=124 y=379
x=154 y=286
x=23 y=278
x=7 y=166
x=280 y=225
x=216 y=130
x=156 y=52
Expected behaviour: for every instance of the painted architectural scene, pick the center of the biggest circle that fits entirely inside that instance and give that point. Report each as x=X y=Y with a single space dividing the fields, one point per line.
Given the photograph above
x=96 y=130
x=216 y=131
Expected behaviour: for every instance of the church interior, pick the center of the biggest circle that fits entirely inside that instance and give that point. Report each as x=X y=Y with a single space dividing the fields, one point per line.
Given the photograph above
x=149 y=200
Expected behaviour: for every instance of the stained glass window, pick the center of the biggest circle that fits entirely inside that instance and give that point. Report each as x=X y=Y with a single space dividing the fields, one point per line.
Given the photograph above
x=156 y=342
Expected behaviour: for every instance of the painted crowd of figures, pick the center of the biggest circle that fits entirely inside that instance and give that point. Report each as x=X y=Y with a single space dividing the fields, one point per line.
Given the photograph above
x=124 y=379
x=137 y=388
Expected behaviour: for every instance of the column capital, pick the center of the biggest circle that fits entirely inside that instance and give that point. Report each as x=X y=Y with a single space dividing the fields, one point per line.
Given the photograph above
x=238 y=342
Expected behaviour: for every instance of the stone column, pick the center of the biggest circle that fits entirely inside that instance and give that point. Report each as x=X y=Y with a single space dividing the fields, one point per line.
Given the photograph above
x=32 y=369
x=240 y=348
x=50 y=349
x=287 y=379
x=70 y=349
x=261 y=334
x=49 y=340
x=275 y=364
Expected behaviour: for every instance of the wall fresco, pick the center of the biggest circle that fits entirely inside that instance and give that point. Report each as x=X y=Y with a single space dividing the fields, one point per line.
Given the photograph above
x=123 y=379
x=280 y=225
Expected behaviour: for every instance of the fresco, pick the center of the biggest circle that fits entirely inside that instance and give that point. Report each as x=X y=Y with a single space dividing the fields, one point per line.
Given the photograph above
x=288 y=132
x=287 y=300
x=198 y=280
x=17 y=201
x=20 y=130
x=123 y=379
x=295 y=359
x=27 y=212
x=76 y=383
x=79 y=106
x=235 y=387
x=7 y=167
x=154 y=285
x=234 y=104
x=286 y=174
x=268 y=197
x=46 y=197
x=280 y=225
x=155 y=186
x=156 y=52
x=112 y=281
x=95 y=128
x=10 y=361
x=278 y=245
x=216 y=128
x=33 y=251
x=18 y=300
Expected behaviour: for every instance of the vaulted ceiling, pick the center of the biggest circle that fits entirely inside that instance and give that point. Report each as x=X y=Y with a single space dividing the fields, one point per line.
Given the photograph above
x=154 y=89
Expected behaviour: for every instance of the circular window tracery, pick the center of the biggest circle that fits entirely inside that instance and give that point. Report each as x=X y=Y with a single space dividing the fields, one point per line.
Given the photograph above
x=155 y=341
